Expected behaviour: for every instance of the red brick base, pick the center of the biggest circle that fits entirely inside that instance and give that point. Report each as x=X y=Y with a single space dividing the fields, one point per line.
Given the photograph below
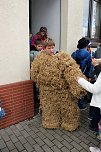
x=17 y=101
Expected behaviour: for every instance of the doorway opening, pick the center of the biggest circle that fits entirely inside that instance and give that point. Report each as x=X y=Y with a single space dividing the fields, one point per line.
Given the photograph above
x=45 y=13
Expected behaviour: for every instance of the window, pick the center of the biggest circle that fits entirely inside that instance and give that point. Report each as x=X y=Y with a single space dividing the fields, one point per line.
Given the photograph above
x=92 y=19
x=85 y=17
x=95 y=22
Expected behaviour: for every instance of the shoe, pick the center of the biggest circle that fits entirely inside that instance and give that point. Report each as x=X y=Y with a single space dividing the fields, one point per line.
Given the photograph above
x=93 y=128
x=82 y=106
x=94 y=149
x=90 y=117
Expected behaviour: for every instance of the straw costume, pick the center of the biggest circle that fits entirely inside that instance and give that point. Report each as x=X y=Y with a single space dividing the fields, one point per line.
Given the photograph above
x=59 y=91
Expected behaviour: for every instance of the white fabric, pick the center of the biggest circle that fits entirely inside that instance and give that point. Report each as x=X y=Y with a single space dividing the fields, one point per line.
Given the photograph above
x=95 y=89
x=94 y=149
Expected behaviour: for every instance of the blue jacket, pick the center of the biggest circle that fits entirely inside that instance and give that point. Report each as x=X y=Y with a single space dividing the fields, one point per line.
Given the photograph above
x=83 y=58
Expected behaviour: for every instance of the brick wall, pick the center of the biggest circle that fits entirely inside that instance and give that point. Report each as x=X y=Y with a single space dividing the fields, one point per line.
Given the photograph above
x=17 y=101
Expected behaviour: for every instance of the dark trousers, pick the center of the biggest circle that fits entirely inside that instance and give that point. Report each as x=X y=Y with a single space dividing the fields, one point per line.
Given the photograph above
x=94 y=112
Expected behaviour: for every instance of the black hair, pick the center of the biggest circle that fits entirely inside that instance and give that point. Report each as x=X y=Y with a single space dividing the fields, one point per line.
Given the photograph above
x=83 y=43
x=43 y=29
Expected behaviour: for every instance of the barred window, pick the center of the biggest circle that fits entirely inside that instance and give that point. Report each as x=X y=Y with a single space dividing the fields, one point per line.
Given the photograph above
x=92 y=19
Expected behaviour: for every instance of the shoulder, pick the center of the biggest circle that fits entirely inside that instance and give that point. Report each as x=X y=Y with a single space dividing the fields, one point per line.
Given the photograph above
x=73 y=55
x=86 y=54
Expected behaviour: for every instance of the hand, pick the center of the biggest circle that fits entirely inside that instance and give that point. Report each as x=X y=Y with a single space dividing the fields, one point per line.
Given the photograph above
x=94 y=62
x=78 y=77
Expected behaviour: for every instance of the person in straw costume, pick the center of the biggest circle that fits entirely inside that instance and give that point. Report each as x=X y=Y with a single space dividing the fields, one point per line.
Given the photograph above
x=59 y=90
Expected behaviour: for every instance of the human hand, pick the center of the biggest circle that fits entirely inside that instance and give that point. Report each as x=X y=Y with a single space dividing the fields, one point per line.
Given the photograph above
x=94 y=62
x=78 y=77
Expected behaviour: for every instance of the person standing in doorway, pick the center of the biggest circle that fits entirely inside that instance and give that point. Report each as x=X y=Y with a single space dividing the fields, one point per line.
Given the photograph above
x=42 y=35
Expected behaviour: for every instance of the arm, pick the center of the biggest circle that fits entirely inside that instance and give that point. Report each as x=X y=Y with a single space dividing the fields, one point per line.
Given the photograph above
x=70 y=73
x=93 y=88
x=87 y=66
x=97 y=69
x=33 y=39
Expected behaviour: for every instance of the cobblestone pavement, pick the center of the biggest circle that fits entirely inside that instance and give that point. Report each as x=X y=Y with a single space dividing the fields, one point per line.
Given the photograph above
x=29 y=136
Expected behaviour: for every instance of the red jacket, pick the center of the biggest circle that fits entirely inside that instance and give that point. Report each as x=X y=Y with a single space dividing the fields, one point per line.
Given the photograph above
x=38 y=36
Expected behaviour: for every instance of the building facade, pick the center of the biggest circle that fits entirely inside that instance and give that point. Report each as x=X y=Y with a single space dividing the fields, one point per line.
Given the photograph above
x=66 y=26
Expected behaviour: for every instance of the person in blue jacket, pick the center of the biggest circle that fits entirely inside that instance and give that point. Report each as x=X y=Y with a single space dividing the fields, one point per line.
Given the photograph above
x=83 y=57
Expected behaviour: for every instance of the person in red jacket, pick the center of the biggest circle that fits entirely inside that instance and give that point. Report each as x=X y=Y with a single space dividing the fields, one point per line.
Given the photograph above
x=42 y=35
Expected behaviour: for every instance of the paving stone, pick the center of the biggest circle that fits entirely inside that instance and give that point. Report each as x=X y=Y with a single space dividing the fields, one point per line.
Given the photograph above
x=85 y=146
x=15 y=130
x=24 y=133
x=14 y=150
x=57 y=143
x=37 y=124
x=30 y=140
x=35 y=129
x=58 y=137
x=13 y=127
x=5 y=137
x=83 y=150
x=38 y=148
x=5 y=150
x=48 y=142
x=9 y=131
x=51 y=131
x=59 y=132
x=41 y=135
x=74 y=150
x=19 y=127
x=92 y=140
x=19 y=146
x=77 y=146
x=23 y=123
x=55 y=149
x=29 y=136
x=67 y=133
x=64 y=149
x=39 y=141
x=49 y=136
x=13 y=138
x=2 y=144
x=76 y=133
x=22 y=139
x=83 y=129
x=83 y=139
x=33 y=134
x=27 y=128
x=43 y=130
x=46 y=148
x=74 y=138
x=2 y=131
x=83 y=134
x=67 y=138
x=10 y=145
x=28 y=147
x=67 y=145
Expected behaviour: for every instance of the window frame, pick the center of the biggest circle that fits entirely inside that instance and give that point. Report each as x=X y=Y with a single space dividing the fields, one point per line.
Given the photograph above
x=95 y=40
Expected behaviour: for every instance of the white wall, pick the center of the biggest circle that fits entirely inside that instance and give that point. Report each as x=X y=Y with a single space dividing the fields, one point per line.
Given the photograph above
x=14 y=41
x=71 y=24
x=47 y=13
